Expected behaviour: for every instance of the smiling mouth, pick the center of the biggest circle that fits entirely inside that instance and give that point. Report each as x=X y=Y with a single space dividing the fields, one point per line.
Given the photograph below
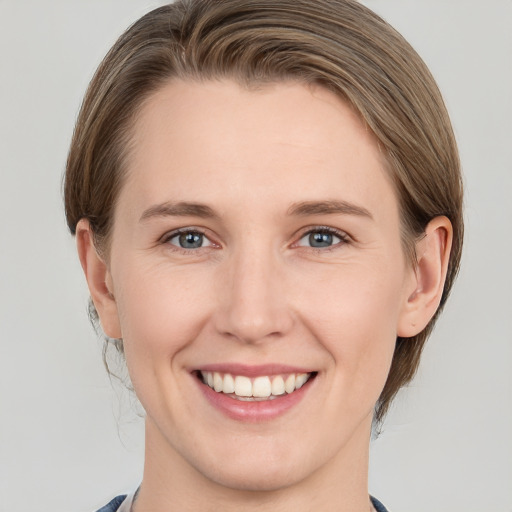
x=240 y=387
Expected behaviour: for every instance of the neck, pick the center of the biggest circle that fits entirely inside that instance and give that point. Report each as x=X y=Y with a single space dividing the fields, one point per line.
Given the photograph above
x=171 y=483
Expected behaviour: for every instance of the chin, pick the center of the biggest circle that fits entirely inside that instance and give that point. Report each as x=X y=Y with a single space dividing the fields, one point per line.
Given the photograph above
x=256 y=479
x=252 y=466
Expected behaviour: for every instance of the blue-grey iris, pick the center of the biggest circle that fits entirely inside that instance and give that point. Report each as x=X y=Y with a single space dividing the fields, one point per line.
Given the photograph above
x=320 y=239
x=191 y=240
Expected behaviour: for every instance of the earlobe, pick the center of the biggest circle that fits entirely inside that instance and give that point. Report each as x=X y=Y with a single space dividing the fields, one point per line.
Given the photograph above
x=424 y=295
x=99 y=280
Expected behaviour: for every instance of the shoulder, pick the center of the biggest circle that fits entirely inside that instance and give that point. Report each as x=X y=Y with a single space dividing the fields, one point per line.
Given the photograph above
x=113 y=505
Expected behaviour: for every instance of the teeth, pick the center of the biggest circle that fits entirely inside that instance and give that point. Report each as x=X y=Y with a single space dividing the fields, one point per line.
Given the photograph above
x=218 y=382
x=243 y=386
x=263 y=387
x=229 y=384
x=289 y=385
x=300 y=380
x=278 y=386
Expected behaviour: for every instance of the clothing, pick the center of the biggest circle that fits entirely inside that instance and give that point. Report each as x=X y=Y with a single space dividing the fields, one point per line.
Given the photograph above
x=121 y=503
x=124 y=502
x=113 y=505
x=379 y=507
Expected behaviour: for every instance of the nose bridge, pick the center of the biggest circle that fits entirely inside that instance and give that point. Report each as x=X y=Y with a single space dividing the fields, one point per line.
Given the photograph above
x=254 y=304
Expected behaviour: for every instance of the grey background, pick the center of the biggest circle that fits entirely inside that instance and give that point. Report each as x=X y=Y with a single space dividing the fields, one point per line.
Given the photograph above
x=70 y=441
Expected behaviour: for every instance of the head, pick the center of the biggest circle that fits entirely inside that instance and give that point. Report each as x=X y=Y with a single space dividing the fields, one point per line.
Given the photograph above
x=339 y=47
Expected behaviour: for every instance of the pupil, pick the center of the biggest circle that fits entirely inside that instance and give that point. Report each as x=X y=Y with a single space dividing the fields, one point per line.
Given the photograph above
x=320 y=239
x=191 y=240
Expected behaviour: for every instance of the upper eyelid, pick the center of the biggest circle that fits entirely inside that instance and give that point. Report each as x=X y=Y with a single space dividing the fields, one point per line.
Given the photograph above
x=301 y=233
x=165 y=240
x=328 y=229
x=189 y=229
x=344 y=237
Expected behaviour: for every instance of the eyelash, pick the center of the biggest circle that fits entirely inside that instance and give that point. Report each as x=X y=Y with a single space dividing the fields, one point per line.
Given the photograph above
x=343 y=237
x=166 y=239
x=324 y=230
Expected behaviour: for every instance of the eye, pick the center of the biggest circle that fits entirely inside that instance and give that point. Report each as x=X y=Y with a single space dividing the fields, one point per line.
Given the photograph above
x=321 y=238
x=189 y=240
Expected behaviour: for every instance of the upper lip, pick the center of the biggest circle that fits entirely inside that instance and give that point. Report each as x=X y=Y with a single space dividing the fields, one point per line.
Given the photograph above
x=253 y=370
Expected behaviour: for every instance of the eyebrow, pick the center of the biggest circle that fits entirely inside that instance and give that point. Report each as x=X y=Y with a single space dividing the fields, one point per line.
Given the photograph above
x=181 y=209
x=304 y=208
x=328 y=208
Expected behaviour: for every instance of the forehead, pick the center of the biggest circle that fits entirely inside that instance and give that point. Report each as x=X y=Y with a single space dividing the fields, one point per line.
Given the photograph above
x=287 y=142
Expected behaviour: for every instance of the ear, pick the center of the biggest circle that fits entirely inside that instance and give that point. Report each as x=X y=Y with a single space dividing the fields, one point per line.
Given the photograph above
x=98 y=279
x=424 y=294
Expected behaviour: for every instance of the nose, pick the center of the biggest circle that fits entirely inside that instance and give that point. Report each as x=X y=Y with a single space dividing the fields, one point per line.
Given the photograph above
x=253 y=298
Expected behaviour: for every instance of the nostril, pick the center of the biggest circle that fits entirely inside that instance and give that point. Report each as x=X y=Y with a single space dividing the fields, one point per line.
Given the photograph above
x=253 y=327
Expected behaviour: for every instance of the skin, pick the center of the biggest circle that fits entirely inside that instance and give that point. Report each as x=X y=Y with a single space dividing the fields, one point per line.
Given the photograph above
x=256 y=292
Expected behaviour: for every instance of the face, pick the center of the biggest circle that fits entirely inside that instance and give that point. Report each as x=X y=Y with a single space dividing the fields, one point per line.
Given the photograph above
x=259 y=280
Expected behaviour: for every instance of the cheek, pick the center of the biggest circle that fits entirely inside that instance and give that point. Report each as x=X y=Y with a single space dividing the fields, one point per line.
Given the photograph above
x=356 y=298
x=160 y=313
x=355 y=317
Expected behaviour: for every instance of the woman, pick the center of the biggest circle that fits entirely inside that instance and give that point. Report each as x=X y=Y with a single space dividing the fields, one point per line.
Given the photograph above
x=267 y=203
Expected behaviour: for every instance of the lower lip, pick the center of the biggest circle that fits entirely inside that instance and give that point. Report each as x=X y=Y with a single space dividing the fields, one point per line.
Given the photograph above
x=257 y=411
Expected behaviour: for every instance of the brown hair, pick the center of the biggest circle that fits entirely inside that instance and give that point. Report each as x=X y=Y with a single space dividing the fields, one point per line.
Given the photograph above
x=338 y=44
